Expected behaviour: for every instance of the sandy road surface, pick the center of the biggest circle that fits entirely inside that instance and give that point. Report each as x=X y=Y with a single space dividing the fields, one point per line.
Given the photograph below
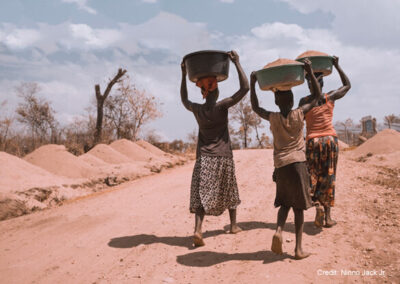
x=140 y=233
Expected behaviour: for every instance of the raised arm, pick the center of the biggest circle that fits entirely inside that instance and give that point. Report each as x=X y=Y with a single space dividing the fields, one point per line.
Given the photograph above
x=341 y=92
x=184 y=93
x=254 y=100
x=316 y=90
x=244 y=83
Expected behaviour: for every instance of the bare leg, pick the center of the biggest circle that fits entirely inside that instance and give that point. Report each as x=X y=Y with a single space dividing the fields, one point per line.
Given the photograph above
x=299 y=223
x=234 y=227
x=328 y=220
x=276 y=246
x=198 y=236
x=319 y=215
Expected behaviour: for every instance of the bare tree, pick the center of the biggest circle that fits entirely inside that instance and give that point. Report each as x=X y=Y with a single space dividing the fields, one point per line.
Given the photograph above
x=100 y=98
x=243 y=114
x=144 y=108
x=152 y=137
x=117 y=112
x=235 y=142
x=256 y=123
x=192 y=140
x=129 y=109
x=346 y=125
x=265 y=140
x=389 y=120
x=36 y=113
x=5 y=126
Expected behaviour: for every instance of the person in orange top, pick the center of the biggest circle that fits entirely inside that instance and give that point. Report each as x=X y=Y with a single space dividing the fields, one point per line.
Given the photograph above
x=322 y=146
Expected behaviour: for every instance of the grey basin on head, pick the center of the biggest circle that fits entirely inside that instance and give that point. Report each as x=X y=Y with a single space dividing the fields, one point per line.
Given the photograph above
x=207 y=63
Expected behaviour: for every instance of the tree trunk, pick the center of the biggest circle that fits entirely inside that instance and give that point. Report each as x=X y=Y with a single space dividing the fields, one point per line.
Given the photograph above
x=100 y=104
x=258 y=137
x=99 y=121
x=245 y=137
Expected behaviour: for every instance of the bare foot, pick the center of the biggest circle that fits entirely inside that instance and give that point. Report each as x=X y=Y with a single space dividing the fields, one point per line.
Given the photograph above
x=330 y=223
x=198 y=240
x=235 y=229
x=299 y=254
x=276 y=246
x=319 y=217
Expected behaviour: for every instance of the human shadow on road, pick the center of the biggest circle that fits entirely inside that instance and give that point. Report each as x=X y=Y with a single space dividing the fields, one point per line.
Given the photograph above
x=309 y=227
x=134 y=241
x=210 y=258
x=187 y=241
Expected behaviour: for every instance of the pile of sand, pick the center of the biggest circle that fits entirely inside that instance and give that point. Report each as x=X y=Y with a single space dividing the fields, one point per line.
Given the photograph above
x=342 y=145
x=134 y=151
x=108 y=154
x=309 y=53
x=166 y=158
x=151 y=148
x=281 y=61
x=57 y=160
x=17 y=174
x=92 y=160
x=385 y=142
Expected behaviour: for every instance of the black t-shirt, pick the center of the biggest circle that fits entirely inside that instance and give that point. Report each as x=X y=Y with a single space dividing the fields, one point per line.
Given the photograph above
x=213 y=139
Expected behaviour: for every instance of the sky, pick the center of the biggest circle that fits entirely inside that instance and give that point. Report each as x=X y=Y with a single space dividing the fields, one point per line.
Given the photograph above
x=68 y=46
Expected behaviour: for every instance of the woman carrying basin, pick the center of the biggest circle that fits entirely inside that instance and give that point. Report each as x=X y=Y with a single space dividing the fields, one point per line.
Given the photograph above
x=213 y=188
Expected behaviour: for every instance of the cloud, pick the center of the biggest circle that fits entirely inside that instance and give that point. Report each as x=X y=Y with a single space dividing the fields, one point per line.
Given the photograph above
x=97 y=38
x=150 y=1
x=82 y=5
x=67 y=59
x=367 y=67
x=367 y=23
x=165 y=31
x=18 y=38
x=227 y=1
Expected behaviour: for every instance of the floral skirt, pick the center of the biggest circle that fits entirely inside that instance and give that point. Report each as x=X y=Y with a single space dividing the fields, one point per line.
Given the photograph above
x=322 y=156
x=214 y=186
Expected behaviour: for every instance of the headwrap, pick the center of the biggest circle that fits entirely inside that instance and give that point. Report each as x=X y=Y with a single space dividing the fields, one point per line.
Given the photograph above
x=209 y=84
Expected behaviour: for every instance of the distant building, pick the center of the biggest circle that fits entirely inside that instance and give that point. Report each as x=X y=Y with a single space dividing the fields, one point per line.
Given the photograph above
x=368 y=125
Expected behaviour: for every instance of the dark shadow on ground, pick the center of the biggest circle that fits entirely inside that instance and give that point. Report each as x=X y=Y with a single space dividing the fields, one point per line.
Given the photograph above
x=133 y=241
x=187 y=242
x=209 y=258
x=309 y=227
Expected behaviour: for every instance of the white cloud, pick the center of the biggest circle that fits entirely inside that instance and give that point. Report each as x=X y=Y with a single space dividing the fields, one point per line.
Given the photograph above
x=367 y=67
x=82 y=5
x=227 y=1
x=275 y=30
x=170 y=32
x=97 y=38
x=69 y=84
x=150 y=1
x=16 y=38
x=372 y=23
x=165 y=31
x=151 y=52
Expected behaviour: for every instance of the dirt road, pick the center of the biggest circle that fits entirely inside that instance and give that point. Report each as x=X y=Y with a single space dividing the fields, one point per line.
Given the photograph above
x=140 y=233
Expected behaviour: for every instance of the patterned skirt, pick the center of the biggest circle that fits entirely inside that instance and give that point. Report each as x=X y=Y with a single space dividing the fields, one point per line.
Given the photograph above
x=214 y=186
x=322 y=156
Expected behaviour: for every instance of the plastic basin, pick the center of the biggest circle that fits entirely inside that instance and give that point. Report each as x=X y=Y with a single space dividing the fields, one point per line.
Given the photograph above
x=283 y=77
x=320 y=64
x=207 y=63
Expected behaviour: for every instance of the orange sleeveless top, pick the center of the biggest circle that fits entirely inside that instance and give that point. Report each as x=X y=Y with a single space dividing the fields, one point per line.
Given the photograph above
x=319 y=120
